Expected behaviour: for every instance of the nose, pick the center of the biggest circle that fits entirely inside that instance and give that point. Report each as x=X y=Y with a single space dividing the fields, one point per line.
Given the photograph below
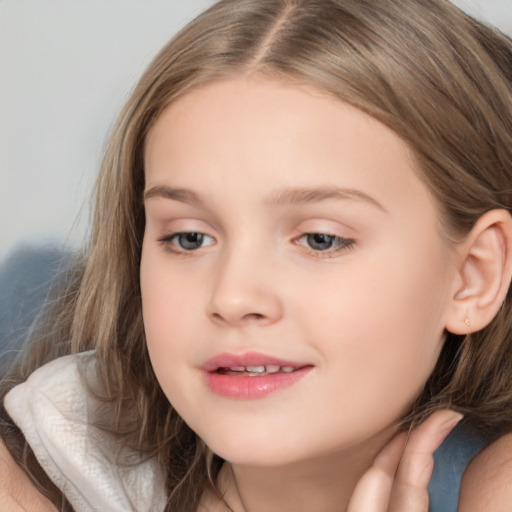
x=245 y=292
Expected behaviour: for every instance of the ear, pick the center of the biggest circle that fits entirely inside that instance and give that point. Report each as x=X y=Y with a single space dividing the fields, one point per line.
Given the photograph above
x=484 y=273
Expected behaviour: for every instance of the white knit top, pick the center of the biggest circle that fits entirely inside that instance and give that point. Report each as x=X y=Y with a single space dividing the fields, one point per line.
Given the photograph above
x=52 y=409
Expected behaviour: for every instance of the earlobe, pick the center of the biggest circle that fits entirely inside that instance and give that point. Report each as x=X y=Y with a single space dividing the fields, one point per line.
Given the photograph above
x=484 y=274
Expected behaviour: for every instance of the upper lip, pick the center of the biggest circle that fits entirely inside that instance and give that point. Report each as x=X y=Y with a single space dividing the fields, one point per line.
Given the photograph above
x=229 y=360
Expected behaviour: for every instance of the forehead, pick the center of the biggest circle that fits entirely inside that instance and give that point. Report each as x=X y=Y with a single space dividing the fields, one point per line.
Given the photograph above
x=266 y=134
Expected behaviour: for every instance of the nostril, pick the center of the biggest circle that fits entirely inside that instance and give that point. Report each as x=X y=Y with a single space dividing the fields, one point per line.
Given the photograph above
x=254 y=316
x=217 y=316
x=248 y=318
x=227 y=307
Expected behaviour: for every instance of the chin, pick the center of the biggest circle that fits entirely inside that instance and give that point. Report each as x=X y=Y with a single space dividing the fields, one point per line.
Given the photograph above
x=271 y=451
x=254 y=450
x=258 y=458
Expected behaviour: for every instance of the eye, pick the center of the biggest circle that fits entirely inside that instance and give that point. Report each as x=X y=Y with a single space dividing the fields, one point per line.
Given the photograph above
x=187 y=241
x=322 y=242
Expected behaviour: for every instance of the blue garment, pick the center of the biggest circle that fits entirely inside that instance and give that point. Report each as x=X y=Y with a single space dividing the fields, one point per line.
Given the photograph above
x=450 y=461
x=54 y=410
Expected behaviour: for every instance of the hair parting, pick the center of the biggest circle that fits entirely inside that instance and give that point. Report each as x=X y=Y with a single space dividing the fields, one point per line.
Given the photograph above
x=439 y=79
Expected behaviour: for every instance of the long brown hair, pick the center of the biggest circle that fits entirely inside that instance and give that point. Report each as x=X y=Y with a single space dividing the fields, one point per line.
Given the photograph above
x=441 y=80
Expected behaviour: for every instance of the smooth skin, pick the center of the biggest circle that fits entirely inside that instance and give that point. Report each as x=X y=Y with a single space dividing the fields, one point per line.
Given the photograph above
x=369 y=315
x=396 y=481
x=250 y=165
x=486 y=483
x=17 y=493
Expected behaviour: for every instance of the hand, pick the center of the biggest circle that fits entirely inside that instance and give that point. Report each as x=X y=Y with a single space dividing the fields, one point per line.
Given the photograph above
x=398 y=479
x=17 y=493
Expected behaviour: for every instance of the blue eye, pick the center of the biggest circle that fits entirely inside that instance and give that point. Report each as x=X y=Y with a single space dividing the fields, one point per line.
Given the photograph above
x=320 y=242
x=190 y=241
x=187 y=241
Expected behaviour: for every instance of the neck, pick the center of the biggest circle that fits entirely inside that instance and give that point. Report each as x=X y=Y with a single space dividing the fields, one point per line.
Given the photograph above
x=323 y=484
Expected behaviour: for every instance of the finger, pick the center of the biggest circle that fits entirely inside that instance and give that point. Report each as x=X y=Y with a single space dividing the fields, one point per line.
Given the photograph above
x=398 y=478
x=373 y=490
x=409 y=490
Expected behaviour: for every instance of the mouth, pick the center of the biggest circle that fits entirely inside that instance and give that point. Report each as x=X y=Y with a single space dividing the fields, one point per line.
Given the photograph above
x=251 y=375
x=255 y=371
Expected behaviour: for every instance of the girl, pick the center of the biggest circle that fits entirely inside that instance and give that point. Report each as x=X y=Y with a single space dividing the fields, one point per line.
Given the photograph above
x=299 y=270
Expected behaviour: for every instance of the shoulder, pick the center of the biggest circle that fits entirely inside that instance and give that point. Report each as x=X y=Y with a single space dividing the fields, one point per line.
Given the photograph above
x=16 y=490
x=487 y=481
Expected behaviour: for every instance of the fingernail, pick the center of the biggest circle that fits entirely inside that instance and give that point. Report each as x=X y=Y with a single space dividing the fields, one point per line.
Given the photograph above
x=448 y=425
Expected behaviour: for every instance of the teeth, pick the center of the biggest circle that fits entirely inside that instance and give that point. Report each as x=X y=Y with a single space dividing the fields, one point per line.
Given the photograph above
x=269 y=368
x=260 y=370
x=255 y=369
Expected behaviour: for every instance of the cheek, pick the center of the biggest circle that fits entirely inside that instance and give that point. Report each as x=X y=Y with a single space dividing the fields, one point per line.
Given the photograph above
x=166 y=310
x=167 y=339
x=166 y=299
x=176 y=328
x=380 y=326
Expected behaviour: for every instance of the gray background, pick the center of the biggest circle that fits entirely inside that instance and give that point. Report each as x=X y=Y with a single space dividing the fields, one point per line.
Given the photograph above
x=66 y=67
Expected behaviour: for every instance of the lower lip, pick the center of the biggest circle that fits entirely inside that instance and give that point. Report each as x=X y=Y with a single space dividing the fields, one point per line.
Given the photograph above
x=249 y=388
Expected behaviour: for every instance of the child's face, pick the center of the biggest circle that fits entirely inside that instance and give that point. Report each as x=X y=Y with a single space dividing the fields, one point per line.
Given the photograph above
x=313 y=243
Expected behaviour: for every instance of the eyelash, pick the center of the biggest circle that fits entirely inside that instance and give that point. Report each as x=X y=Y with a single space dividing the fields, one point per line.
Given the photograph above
x=171 y=243
x=168 y=241
x=340 y=244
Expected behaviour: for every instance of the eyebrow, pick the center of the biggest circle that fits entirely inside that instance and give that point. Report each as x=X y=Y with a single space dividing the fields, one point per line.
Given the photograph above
x=302 y=195
x=317 y=194
x=182 y=195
